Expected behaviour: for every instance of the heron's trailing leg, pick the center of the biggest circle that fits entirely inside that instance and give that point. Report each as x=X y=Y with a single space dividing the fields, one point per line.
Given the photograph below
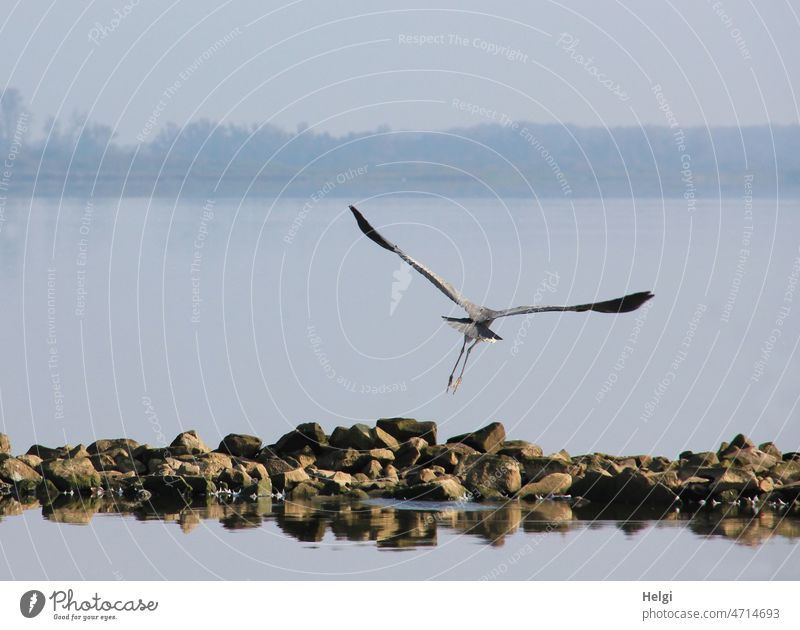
x=463 y=365
x=450 y=380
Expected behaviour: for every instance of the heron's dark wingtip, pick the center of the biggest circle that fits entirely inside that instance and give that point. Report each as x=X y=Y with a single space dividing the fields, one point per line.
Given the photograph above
x=635 y=300
x=624 y=304
x=370 y=231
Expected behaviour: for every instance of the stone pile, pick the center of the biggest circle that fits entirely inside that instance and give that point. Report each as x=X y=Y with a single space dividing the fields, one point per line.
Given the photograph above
x=399 y=458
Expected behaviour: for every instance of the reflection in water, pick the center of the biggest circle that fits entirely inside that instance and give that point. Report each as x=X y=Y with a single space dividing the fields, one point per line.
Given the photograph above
x=408 y=525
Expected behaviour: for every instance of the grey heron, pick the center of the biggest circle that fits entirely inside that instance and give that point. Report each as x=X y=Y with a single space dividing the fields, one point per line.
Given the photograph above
x=475 y=328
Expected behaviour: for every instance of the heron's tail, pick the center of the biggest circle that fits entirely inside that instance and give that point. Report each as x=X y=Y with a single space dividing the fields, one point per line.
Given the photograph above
x=473 y=330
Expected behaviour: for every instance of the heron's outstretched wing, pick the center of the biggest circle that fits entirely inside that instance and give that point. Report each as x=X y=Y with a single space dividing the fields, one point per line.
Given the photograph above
x=441 y=284
x=620 y=305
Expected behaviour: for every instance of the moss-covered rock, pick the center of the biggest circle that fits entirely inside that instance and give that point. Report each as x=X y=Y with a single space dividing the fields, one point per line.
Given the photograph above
x=358 y=437
x=554 y=483
x=71 y=474
x=304 y=491
x=287 y=480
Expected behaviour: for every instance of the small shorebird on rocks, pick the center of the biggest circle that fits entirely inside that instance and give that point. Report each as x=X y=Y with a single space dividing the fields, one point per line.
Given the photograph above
x=475 y=328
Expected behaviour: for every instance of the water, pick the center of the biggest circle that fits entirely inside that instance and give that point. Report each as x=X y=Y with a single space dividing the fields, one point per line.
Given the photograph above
x=144 y=318
x=366 y=540
x=263 y=334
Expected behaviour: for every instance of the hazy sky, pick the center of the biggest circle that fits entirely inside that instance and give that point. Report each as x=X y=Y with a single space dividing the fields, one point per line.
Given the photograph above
x=357 y=65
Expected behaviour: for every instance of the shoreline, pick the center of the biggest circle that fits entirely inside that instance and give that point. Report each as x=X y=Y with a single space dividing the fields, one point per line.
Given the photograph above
x=401 y=459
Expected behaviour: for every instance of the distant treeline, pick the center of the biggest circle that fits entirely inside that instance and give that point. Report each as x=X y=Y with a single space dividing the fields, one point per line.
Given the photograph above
x=82 y=158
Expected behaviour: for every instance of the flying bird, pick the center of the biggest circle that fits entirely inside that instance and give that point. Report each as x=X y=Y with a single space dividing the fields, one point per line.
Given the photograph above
x=475 y=328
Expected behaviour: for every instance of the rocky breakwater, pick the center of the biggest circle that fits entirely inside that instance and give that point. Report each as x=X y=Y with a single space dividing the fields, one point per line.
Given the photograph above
x=401 y=458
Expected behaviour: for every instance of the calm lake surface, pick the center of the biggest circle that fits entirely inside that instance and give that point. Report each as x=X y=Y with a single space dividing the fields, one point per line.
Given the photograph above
x=143 y=318
x=104 y=540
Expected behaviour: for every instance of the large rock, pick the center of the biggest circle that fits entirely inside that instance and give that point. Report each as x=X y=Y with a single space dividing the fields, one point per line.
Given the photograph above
x=188 y=443
x=699 y=460
x=771 y=448
x=261 y=487
x=347 y=460
x=34 y=461
x=77 y=452
x=403 y=429
x=274 y=465
x=447 y=456
x=485 y=440
x=304 y=491
x=637 y=488
x=240 y=445
x=598 y=461
x=382 y=439
x=520 y=449
x=176 y=487
x=442 y=489
x=751 y=458
x=409 y=452
x=13 y=470
x=788 y=492
x=659 y=463
x=595 y=485
x=118 y=459
x=212 y=464
x=383 y=455
x=288 y=480
x=554 y=483
x=233 y=479
x=358 y=437
x=304 y=458
x=421 y=475
x=729 y=483
x=352 y=461
x=5 y=443
x=342 y=478
x=741 y=441
x=490 y=472
x=536 y=468
x=145 y=453
x=631 y=487
x=49 y=453
x=307 y=434
x=71 y=474
x=373 y=469
x=255 y=469
x=101 y=446
x=786 y=471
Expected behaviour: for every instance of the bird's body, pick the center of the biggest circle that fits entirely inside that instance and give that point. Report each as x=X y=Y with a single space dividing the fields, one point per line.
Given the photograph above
x=475 y=327
x=471 y=329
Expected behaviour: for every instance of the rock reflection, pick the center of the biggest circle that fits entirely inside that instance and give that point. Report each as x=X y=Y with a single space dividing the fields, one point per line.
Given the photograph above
x=408 y=525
